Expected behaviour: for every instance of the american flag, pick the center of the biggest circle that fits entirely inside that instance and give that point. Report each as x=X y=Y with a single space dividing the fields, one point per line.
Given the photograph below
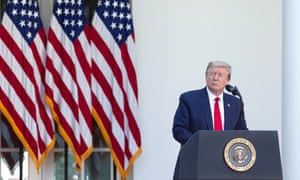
x=68 y=76
x=22 y=70
x=114 y=82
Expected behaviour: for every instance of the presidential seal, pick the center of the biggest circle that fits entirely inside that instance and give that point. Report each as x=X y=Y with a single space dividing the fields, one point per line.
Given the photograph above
x=239 y=154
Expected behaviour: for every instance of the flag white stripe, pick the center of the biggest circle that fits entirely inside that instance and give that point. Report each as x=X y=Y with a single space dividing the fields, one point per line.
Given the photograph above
x=84 y=130
x=131 y=50
x=40 y=48
x=133 y=147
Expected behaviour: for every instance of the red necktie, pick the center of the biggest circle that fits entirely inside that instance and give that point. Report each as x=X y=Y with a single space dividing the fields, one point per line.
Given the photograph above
x=217 y=116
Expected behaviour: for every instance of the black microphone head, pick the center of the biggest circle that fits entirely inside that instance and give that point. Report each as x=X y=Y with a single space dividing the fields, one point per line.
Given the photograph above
x=229 y=88
x=232 y=89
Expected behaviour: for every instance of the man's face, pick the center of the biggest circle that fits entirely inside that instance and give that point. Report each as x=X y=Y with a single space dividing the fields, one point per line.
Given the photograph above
x=216 y=79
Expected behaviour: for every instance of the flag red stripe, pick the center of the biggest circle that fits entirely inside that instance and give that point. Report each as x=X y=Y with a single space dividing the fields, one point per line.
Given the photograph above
x=129 y=68
x=37 y=56
x=80 y=52
x=134 y=129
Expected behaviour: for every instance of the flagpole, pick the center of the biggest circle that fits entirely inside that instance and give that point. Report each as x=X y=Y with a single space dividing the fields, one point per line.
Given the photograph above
x=66 y=161
x=21 y=152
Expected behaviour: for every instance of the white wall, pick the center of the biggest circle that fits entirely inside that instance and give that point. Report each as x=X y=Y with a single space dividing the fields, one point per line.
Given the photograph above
x=176 y=39
x=291 y=88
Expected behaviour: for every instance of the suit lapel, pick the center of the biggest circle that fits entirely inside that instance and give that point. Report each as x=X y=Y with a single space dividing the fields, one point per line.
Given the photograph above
x=206 y=106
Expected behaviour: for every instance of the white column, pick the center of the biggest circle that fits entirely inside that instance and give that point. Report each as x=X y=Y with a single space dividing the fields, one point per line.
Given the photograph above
x=291 y=90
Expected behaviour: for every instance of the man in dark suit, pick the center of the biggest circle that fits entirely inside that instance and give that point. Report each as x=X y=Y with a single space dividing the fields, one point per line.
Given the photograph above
x=196 y=108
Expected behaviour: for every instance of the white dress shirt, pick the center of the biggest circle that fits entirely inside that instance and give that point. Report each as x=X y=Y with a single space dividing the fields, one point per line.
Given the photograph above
x=212 y=97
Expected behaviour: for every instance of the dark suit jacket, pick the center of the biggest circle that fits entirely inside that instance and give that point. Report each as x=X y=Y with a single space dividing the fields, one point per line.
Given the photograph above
x=193 y=114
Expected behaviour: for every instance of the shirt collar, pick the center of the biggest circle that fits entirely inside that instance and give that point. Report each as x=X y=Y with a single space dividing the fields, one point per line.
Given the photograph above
x=212 y=97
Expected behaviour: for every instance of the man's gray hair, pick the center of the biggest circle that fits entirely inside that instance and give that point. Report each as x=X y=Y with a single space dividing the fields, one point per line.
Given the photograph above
x=220 y=64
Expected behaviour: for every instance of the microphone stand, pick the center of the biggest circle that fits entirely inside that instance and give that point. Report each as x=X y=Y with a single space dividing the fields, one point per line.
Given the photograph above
x=242 y=106
x=236 y=92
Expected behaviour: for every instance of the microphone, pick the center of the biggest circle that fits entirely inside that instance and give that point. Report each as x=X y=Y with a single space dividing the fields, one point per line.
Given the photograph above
x=233 y=89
